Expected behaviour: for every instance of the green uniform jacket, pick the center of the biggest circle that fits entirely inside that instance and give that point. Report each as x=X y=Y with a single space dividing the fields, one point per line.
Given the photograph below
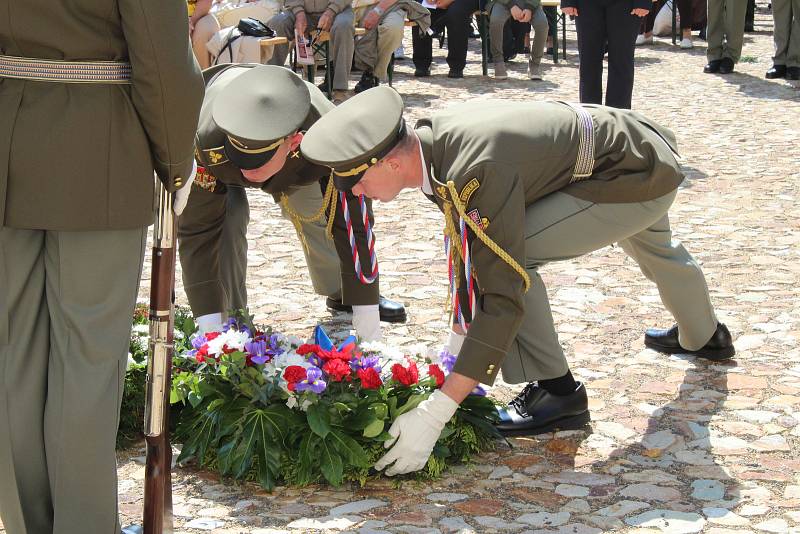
x=200 y=229
x=502 y=158
x=77 y=156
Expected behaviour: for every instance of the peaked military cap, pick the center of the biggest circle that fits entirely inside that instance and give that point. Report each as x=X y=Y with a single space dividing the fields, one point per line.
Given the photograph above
x=356 y=135
x=257 y=111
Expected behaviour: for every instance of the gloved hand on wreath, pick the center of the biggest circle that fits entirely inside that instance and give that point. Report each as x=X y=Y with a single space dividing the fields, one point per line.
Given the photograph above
x=415 y=433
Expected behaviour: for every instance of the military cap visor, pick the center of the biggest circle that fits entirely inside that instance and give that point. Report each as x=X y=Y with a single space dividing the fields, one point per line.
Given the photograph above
x=257 y=111
x=356 y=135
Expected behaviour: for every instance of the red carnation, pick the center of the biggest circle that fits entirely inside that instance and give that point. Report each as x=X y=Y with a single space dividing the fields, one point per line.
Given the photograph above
x=227 y=350
x=337 y=370
x=408 y=376
x=437 y=373
x=370 y=379
x=201 y=353
x=306 y=348
x=294 y=374
x=211 y=335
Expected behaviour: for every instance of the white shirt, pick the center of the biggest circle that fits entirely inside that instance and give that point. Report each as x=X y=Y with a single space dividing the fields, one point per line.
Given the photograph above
x=426 y=177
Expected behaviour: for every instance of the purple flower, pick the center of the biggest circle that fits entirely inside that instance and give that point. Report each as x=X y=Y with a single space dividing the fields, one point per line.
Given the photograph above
x=448 y=360
x=257 y=351
x=479 y=391
x=366 y=361
x=313 y=381
x=199 y=341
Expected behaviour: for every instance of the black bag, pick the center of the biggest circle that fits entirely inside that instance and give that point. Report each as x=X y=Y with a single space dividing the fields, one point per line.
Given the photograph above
x=254 y=28
x=247 y=26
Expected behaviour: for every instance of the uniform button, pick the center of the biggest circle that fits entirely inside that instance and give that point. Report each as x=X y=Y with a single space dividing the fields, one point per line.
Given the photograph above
x=491 y=367
x=489 y=372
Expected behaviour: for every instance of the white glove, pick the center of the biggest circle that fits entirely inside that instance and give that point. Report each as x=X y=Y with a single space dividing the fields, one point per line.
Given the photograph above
x=454 y=343
x=415 y=433
x=211 y=322
x=182 y=194
x=367 y=322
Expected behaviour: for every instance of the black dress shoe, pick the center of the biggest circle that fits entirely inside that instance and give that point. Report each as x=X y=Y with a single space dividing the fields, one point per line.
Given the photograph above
x=726 y=65
x=367 y=81
x=712 y=67
x=389 y=310
x=777 y=71
x=719 y=347
x=793 y=73
x=421 y=72
x=456 y=73
x=535 y=411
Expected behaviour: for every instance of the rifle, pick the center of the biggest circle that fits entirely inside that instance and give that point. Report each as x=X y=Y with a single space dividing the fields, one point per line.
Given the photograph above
x=158 y=478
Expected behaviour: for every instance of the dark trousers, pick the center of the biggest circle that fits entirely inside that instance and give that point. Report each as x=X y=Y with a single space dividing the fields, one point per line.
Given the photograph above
x=602 y=24
x=457 y=20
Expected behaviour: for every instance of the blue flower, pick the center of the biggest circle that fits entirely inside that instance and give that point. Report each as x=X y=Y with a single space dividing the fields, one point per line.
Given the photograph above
x=199 y=341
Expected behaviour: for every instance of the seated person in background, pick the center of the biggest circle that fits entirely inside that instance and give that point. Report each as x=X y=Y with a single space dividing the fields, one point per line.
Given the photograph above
x=521 y=11
x=334 y=16
x=384 y=21
x=202 y=27
x=456 y=17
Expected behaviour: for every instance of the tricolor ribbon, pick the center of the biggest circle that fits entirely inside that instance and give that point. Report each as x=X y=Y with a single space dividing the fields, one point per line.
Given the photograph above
x=364 y=279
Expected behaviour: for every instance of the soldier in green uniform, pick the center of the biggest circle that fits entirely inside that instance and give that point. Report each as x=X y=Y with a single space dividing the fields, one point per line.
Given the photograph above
x=523 y=184
x=251 y=124
x=95 y=95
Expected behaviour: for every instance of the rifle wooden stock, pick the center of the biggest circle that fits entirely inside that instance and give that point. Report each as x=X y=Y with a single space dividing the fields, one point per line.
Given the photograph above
x=158 y=477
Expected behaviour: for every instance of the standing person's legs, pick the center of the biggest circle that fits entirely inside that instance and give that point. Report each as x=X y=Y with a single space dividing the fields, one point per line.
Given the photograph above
x=342 y=46
x=621 y=27
x=735 y=11
x=92 y=279
x=793 y=54
x=283 y=24
x=592 y=40
x=715 y=31
x=497 y=22
x=233 y=248
x=319 y=250
x=390 y=36
x=782 y=17
x=204 y=30
x=25 y=502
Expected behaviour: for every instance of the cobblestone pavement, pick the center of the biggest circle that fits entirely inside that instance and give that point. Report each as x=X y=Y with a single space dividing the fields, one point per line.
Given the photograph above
x=675 y=445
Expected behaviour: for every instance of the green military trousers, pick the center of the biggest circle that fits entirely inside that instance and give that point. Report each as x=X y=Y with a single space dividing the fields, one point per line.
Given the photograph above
x=66 y=307
x=725 y=29
x=561 y=227
x=786 y=32
x=319 y=250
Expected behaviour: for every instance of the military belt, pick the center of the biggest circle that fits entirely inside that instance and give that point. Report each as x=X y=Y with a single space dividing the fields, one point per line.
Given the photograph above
x=49 y=70
x=584 y=164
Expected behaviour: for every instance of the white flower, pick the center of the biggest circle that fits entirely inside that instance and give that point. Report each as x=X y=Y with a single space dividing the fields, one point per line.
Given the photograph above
x=233 y=339
x=131 y=361
x=291 y=402
x=305 y=405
